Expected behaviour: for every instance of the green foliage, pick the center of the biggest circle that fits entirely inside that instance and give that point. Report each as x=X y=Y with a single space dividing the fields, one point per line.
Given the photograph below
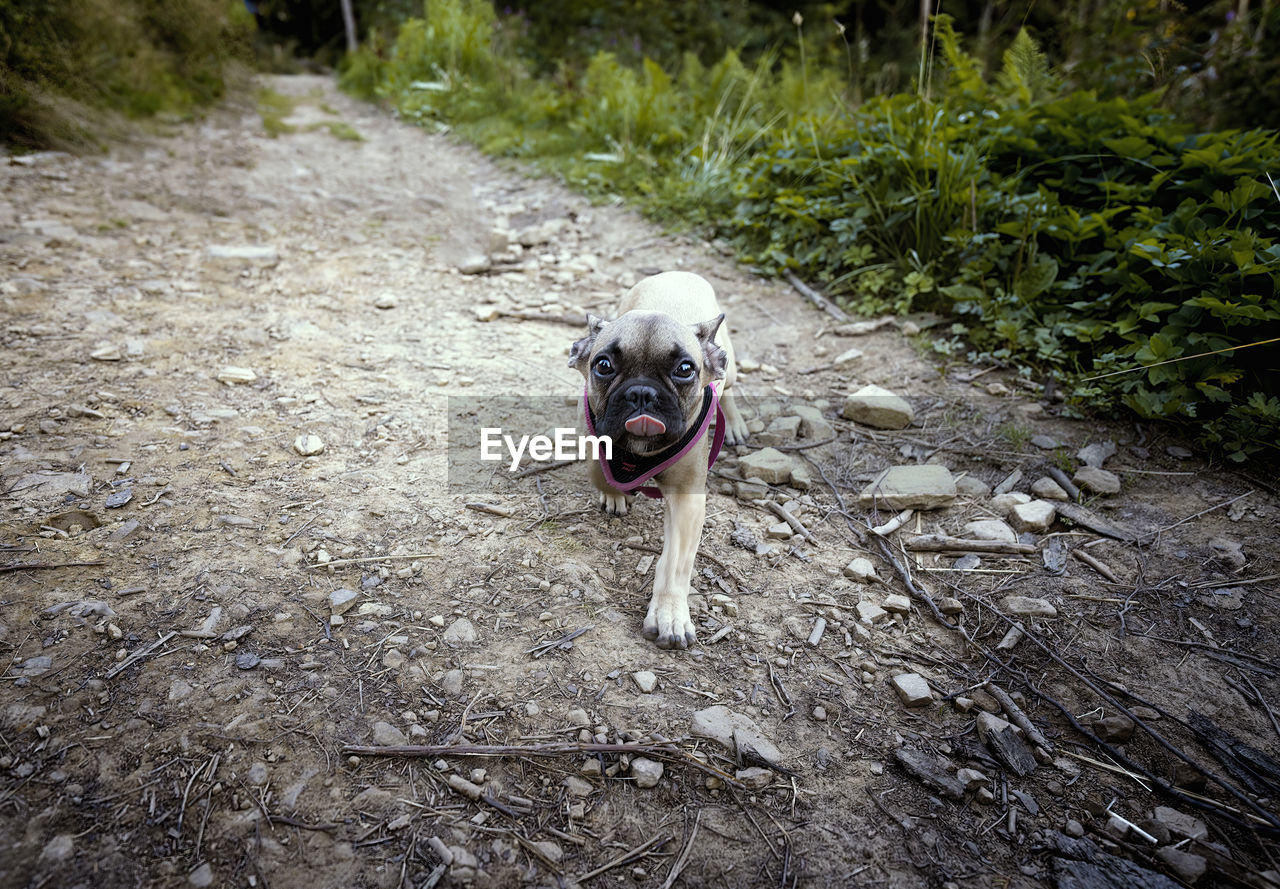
x=1080 y=233
x=138 y=57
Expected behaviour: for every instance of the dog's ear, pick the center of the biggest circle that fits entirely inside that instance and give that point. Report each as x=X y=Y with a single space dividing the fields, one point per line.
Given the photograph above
x=579 y=351
x=713 y=357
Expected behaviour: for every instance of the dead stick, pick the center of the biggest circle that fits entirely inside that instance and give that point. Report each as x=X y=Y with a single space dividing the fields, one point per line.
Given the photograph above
x=139 y=655
x=935 y=543
x=424 y=751
x=1263 y=701
x=1018 y=717
x=1095 y=565
x=815 y=297
x=625 y=857
x=1063 y=482
x=782 y=512
x=492 y=509
x=34 y=566
x=676 y=868
x=338 y=563
x=894 y=523
x=574 y=320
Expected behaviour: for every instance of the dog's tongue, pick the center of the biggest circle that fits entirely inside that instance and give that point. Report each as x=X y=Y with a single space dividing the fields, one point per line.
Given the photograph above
x=645 y=426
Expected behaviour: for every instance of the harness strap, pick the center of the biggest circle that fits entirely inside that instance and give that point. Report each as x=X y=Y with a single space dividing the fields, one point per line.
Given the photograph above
x=629 y=472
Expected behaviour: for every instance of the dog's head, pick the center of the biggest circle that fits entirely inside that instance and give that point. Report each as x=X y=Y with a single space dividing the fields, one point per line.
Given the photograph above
x=645 y=375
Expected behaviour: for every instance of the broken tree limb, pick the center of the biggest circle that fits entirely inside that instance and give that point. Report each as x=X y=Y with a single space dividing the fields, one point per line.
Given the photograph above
x=1095 y=565
x=813 y=296
x=1018 y=717
x=1087 y=519
x=930 y=772
x=937 y=543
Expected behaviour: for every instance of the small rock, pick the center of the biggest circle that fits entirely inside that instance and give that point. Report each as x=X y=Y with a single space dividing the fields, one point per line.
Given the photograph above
x=1188 y=866
x=1025 y=606
x=1114 y=728
x=385 y=301
x=969 y=486
x=577 y=786
x=451 y=683
x=968 y=562
x=1229 y=552
x=387 y=735
x=734 y=732
x=1073 y=828
x=897 y=604
x=950 y=606
x=488 y=313
x=232 y=375
x=813 y=425
x=59 y=849
x=1097 y=453
x=550 y=850
x=646 y=772
x=1038 y=515
x=1181 y=824
x=1047 y=489
x=460 y=632
x=202 y=876
x=474 y=264
x=751 y=490
x=247 y=660
x=1045 y=442
x=990 y=529
x=779 y=531
x=820 y=713
x=870 y=613
x=861 y=570
x=754 y=778
x=119 y=498
x=913 y=689
x=645 y=680
x=1003 y=504
x=393 y=659
x=768 y=464
x=878 y=408
x=106 y=352
x=927 y=486
x=1100 y=481
x=257 y=774
x=308 y=445
x=340 y=601
x=972 y=779
x=579 y=717
x=245 y=252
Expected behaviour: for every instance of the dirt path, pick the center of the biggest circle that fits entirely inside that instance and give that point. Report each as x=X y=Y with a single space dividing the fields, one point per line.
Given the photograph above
x=177 y=692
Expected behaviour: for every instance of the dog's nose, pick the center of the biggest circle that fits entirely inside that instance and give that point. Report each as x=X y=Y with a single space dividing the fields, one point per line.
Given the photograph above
x=641 y=397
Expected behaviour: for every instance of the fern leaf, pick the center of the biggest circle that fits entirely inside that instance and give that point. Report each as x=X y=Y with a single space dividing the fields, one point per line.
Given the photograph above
x=1026 y=77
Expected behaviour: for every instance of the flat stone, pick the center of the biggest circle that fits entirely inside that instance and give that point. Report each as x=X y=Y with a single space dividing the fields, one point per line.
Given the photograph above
x=460 y=632
x=1026 y=606
x=813 y=425
x=59 y=849
x=387 y=735
x=1045 y=442
x=341 y=601
x=451 y=683
x=1099 y=481
x=870 y=613
x=1038 y=515
x=1118 y=728
x=897 y=603
x=768 y=464
x=645 y=680
x=754 y=777
x=1047 y=489
x=913 y=689
x=779 y=531
x=878 y=408
x=1188 y=866
x=577 y=786
x=1181 y=824
x=751 y=490
x=926 y=486
x=861 y=570
x=474 y=264
x=579 y=717
x=990 y=529
x=47 y=484
x=646 y=772
x=308 y=445
x=970 y=486
x=972 y=779
x=950 y=605
x=242 y=252
x=1097 y=453
x=234 y=376
x=1003 y=504
x=202 y=876
x=734 y=732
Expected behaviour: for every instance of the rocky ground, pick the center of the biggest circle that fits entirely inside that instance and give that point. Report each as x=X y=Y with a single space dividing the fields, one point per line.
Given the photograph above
x=238 y=564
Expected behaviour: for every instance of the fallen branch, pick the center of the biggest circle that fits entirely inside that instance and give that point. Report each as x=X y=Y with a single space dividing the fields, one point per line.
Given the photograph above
x=936 y=543
x=37 y=566
x=1063 y=482
x=139 y=655
x=782 y=512
x=626 y=857
x=894 y=523
x=428 y=751
x=1095 y=565
x=1017 y=717
x=338 y=563
x=819 y=301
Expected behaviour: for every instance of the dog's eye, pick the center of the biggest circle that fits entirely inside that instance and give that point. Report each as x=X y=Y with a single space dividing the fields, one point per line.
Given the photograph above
x=686 y=370
x=603 y=367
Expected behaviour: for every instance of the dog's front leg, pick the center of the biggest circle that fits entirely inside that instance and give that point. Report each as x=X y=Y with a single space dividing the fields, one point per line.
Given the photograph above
x=668 y=622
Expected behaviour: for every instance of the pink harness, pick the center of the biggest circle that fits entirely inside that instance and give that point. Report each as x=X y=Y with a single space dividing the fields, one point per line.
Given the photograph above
x=632 y=470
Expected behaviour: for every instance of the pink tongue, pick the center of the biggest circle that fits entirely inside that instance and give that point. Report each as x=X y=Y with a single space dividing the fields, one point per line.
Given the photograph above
x=645 y=425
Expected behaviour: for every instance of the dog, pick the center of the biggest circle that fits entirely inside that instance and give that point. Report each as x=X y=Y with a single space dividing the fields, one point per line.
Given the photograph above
x=654 y=379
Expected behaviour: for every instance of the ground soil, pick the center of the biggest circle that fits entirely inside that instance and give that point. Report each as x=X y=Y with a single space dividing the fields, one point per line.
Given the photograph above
x=154 y=492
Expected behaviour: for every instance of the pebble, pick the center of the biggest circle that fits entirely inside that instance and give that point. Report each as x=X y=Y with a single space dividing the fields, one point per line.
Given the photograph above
x=767 y=464
x=645 y=680
x=990 y=529
x=1047 y=489
x=751 y=490
x=460 y=632
x=870 y=613
x=813 y=425
x=969 y=486
x=1114 y=728
x=1188 y=866
x=1097 y=453
x=59 y=849
x=579 y=717
x=913 y=689
x=387 y=735
x=1026 y=606
x=972 y=779
x=119 y=498
x=1073 y=828
x=245 y=252
x=202 y=876
x=451 y=683
x=897 y=604
x=474 y=264
x=1181 y=824
x=754 y=778
x=1045 y=442
x=1100 y=481
x=927 y=486
x=308 y=445
x=577 y=786
x=1038 y=515
x=232 y=375
x=257 y=774
x=106 y=352
x=861 y=570
x=779 y=531
x=820 y=713
x=878 y=408
x=1003 y=504
x=950 y=605
x=385 y=301
x=646 y=772
x=341 y=600
x=846 y=358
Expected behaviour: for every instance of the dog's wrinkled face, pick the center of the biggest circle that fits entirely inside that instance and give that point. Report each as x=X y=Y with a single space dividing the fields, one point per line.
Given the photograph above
x=645 y=376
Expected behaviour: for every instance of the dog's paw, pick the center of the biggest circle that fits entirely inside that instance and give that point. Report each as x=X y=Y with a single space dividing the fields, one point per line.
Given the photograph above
x=615 y=502
x=735 y=432
x=668 y=623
